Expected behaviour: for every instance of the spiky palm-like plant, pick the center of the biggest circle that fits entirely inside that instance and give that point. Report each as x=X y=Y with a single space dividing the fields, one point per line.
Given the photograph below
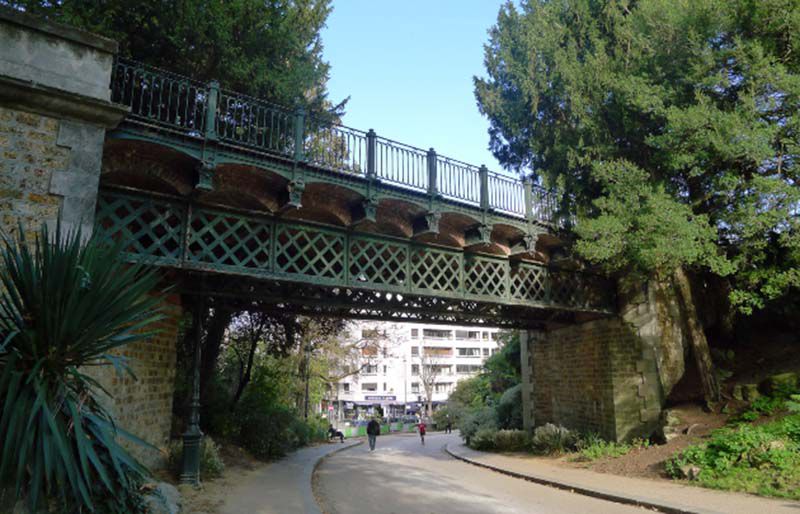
x=64 y=306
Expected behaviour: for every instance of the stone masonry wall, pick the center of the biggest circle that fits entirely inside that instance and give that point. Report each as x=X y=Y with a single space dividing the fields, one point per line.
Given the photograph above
x=143 y=406
x=588 y=377
x=29 y=154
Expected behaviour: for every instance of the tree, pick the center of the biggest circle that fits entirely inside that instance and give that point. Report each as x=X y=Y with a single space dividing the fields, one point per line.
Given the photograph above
x=429 y=370
x=265 y=48
x=670 y=127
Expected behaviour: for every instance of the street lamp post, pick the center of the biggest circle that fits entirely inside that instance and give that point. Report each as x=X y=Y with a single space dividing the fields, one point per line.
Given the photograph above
x=405 y=387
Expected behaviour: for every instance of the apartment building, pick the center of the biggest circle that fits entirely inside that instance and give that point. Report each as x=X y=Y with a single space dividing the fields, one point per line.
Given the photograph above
x=404 y=356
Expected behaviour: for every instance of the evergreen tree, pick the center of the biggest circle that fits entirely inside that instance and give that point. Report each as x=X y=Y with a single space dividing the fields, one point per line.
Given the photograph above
x=265 y=48
x=670 y=125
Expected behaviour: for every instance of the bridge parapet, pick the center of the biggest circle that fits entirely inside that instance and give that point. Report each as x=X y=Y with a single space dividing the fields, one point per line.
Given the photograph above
x=180 y=105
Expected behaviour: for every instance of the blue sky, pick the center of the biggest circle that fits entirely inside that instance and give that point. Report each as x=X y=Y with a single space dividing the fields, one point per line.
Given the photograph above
x=407 y=66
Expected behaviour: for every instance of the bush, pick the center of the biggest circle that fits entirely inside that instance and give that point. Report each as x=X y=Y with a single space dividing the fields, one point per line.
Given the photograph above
x=473 y=421
x=484 y=440
x=762 y=459
x=211 y=463
x=549 y=439
x=511 y=440
x=509 y=408
x=266 y=431
x=440 y=417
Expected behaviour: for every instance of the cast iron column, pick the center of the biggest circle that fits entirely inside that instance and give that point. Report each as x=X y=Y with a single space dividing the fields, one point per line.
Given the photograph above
x=194 y=436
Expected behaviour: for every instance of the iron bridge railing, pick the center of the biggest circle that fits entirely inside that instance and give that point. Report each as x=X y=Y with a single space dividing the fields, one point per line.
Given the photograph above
x=207 y=112
x=174 y=232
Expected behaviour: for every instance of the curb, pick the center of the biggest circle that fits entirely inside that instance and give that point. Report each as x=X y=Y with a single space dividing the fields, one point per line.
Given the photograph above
x=627 y=500
x=318 y=464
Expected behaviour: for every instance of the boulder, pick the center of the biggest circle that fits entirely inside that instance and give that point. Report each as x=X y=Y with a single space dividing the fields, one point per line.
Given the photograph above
x=750 y=392
x=782 y=383
x=162 y=498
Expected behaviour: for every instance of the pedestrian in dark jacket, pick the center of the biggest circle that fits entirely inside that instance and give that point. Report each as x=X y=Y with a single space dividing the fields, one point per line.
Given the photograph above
x=373 y=431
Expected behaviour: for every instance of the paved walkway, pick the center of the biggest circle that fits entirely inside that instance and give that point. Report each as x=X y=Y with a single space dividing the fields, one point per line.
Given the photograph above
x=663 y=495
x=282 y=487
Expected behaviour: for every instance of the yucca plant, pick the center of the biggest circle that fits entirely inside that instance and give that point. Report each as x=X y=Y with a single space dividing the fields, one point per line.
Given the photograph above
x=65 y=304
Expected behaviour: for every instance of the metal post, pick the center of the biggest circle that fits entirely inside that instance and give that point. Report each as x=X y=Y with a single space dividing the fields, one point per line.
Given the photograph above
x=433 y=183
x=211 y=111
x=193 y=435
x=371 y=156
x=484 y=175
x=299 y=131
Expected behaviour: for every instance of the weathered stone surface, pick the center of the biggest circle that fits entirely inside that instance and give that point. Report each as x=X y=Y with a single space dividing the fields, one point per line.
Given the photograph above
x=163 y=498
x=781 y=382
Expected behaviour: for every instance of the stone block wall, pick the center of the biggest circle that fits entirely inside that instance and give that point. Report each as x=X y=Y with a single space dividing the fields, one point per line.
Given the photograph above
x=590 y=377
x=143 y=406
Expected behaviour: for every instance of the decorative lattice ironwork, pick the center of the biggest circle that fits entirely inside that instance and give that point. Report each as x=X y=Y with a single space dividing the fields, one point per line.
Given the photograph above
x=374 y=262
x=310 y=251
x=151 y=229
x=529 y=283
x=384 y=272
x=486 y=277
x=219 y=240
x=435 y=270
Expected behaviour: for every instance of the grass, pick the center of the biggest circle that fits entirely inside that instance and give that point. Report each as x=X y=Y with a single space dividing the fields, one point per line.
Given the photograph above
x=592 y=447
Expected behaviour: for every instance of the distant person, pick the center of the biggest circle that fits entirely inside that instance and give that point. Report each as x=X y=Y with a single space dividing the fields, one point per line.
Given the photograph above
x=448 y=426
x=421 y=428
x=333 y=434
x=373 y=431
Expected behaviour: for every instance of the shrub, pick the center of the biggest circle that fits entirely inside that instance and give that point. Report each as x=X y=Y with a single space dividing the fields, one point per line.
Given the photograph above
x=549 y=439
x=65 y=305
x=266 y=431
x=511 y=440
x=762 y=459
x=509 y=408
x=211 y=463
x=484 y=440
x=473 y=421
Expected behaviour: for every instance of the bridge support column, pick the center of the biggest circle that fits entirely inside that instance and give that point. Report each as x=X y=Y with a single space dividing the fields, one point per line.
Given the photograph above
x=609 y=375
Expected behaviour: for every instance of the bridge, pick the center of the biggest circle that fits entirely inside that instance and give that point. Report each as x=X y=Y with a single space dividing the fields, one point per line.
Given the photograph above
x=249 y=199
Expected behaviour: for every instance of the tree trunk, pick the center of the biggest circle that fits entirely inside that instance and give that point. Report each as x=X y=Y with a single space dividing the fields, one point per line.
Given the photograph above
x=248 y=372
x=217 y=324
x=697 y=339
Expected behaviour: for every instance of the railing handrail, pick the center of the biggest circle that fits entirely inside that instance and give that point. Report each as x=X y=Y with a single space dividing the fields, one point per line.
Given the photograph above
x=406 y=173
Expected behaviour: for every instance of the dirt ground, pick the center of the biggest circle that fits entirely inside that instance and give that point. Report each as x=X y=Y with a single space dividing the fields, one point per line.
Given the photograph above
x=649 y=462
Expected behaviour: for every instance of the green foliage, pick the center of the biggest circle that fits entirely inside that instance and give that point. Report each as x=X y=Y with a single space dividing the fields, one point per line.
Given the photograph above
x=211 y=463
x=763 y=459
x=593 y=447
x=64 y=307
x=475 y=420
x=761 y=406
x=552 y=439
x=511 y=441
x=440 y=417
x=267 y=49
x=793 y=404
x=670 y=127
x=509 y=408
x=483 y=440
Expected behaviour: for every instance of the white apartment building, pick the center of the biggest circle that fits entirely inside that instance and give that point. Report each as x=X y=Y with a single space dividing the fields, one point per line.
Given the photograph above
x=392 y=376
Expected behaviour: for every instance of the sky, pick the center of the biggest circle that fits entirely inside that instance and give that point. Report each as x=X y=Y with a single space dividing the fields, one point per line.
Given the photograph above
x=407 y=66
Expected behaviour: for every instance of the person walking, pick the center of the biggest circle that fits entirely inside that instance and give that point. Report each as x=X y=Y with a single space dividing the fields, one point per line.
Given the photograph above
x=373 y=431
x=421 y=428
x=448 y=427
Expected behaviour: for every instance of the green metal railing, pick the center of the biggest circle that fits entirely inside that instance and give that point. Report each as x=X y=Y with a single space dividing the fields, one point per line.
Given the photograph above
x=179 y=104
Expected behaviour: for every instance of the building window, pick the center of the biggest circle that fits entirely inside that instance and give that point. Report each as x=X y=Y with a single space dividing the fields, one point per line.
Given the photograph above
x=468 y=334
x=384 y=386
x=442 y=387
x=371 y=386
x=436 y=334
x=486 y=336
x=370 y=351
x=371 y=369
x=469 y=352
x=384 y=369
x=495 y=350
x=436 y=351
x=414 y=333
x=495 y=336
x=415 y=369
x=369 y=333
x=415 y=351
x=467 y=368
x=346 y=387
x=485 y=352
x=415 y=387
